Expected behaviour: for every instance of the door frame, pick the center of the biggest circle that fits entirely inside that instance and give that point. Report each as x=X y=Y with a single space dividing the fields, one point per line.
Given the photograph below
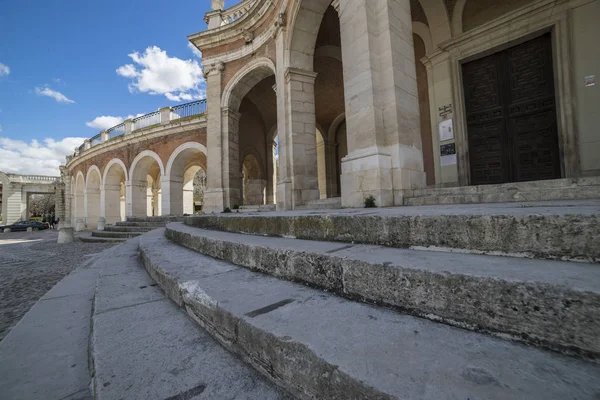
x=514 y=28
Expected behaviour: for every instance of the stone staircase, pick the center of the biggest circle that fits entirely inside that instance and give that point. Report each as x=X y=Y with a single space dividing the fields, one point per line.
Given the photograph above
x=553 y=189
x=123 y=230
x=490 y=301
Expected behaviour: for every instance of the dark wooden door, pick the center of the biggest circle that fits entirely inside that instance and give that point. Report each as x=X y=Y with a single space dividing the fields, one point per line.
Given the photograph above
x=511 y=115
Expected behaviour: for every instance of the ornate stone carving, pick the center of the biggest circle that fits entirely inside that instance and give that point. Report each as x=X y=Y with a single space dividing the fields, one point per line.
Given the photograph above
x=248 y=36
x=336 y=4
x=280 y=23
x=216 y=67
x=218 y=4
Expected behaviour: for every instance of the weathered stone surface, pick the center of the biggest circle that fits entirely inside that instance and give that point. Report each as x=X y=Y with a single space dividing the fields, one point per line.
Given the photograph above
x=65 y=235
x=323 y=346
x=144 y=347
x=540 y=232
x=554 y=304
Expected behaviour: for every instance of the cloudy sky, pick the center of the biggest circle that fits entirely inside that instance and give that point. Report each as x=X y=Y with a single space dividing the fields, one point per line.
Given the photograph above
x=70 y=68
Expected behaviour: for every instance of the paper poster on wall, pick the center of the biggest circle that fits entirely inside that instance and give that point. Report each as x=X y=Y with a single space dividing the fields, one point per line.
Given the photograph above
x=446 y=130
x=448 y=154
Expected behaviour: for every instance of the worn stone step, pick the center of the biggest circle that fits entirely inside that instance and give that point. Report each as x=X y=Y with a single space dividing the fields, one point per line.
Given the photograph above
x=157 y=219
x=319 y=345
x=514 y=188
x=322 y=204
x=553 y=304
x=117 y=228
x=575 y=193
x=564 y=230
x=142 y=224
x=111 y=234
x=88 y=238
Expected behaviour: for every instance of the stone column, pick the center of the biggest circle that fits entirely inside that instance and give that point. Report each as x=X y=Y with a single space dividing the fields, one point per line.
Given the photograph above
x=232 y=176
x=301 y=135
x=65 y=229
x=172 y=201
x=92 y=207
x=136 y=192
x=214 y=200
x=110 y=203
x=284 y=180
x=382 y=110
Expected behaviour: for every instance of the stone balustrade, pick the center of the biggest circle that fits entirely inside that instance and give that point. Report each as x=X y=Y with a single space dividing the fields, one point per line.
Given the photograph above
x=217 y=17
x=162 y=116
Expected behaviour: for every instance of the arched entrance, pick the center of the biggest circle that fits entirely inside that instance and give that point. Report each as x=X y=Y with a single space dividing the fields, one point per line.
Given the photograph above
x=92 y=197
x=144 y=186
x=113 y=191
x=180 y=196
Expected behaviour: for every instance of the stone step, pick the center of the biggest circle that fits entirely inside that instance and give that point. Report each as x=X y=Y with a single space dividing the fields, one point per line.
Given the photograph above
x=555 y=189
x=120 y=235
x=142 y=224
x=256 y=208
x=157 y=219
x=553 y=304
x=563 y=230
x=322 y=204
x=116 y=228
x=88 y=238
x=318 y=345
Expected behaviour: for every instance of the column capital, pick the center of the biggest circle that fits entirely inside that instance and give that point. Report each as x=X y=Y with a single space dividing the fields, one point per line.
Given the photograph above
x=214 y=68
x=299 y=75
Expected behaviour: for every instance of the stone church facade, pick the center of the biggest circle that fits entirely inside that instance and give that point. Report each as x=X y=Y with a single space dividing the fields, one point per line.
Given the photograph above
x=382 y=98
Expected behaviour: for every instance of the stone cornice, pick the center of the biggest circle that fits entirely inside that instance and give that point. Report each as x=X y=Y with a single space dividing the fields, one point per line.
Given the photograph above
x=233 y=31
x=137 y=137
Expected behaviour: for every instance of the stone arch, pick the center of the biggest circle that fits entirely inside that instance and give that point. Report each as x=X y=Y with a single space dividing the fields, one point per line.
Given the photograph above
x=438 y=20
x=79 y=200
x=250 y=150
x=423 y=31
x=93 y=183
x=244 y=80
x=329 y=51
x=305 y=24
x=144 y=195
x=177 y=184
x=113 y=193
x=457 y=17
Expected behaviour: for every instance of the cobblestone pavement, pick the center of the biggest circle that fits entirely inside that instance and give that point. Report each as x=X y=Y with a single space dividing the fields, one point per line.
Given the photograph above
x=31 y=263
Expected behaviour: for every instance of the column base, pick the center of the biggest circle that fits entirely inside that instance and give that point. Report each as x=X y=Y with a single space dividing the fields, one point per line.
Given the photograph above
x=284 y=195
x=367 y=173
x=214 y=201
x=101 y=223
x=79 y=224
x=65 y=235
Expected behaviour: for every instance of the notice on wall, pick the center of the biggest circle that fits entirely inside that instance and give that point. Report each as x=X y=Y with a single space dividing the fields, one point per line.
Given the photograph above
x=446 y=130
x=448 y=154
x=590 y=80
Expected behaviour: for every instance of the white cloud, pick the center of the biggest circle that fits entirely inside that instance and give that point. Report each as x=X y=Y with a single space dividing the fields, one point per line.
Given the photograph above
x=108 y=121
x=58 y=96
x=156 y=73
x=195 y=50
x=19 y=157
x=104 y=122
x=4 y=70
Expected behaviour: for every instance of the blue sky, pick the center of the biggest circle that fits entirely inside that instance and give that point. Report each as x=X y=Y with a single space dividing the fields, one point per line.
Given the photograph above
x=64 y=63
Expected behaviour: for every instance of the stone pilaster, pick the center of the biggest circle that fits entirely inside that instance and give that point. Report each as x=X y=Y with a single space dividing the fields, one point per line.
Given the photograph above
x=63 y=207
x=214 y=199
x=284 y=180
x=136 y=196
x=172 y=201
x=380 y=90
x=232 y=176
x=301 y=135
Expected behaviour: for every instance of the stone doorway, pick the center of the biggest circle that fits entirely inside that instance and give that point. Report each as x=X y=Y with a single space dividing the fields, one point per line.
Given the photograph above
x=511 y=114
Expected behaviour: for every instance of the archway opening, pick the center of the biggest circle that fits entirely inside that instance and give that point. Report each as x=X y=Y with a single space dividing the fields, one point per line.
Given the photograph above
x=329 y=105
x=186 y=179
x=92 y=198
x=257 y=132
x=146 y=194
x=114 y=194
x=253 y=184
